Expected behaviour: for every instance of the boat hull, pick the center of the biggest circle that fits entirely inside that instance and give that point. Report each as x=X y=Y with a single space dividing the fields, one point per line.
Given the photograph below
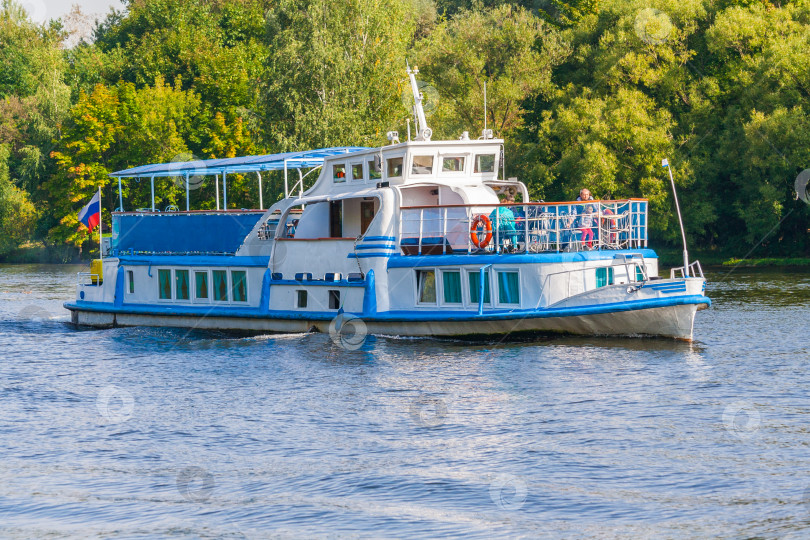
x=673 y=321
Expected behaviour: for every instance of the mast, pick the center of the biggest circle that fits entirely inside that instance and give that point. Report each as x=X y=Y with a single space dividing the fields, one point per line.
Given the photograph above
x=423 y=132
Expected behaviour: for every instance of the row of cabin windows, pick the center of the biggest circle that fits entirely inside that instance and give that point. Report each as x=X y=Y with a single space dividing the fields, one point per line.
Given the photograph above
x=302 y=299
x=427 y=291
x=484 y=163
x=214 y=286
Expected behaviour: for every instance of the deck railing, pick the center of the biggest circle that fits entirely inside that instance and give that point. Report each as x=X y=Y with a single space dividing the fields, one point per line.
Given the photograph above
x=524 y=228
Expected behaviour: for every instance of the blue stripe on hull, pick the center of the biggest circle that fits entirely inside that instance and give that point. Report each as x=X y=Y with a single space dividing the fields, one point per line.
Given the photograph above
x=412 y=261
x=404 y=316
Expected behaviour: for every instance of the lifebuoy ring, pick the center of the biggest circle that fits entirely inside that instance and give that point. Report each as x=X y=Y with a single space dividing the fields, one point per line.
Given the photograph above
x=481 y=219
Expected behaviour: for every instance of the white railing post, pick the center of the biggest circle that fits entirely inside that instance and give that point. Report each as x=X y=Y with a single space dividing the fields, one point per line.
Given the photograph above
x=421 y=221
x=525 y=229
x=444 y=231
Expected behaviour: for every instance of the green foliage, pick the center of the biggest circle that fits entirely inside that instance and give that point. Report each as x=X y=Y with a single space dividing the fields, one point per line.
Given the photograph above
x=334 y=72
x=507 y=49
x=17 y=214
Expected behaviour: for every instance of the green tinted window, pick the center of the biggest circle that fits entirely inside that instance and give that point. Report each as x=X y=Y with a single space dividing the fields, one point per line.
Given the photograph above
x=604 y=276
x=165 y=284
x=220 y=285
x=475 y=282
x=239 y=286
x=201 y=285
x=452 y=287
x=485 y=163
x=508 y=288
x=426 y=286
x=181 y=289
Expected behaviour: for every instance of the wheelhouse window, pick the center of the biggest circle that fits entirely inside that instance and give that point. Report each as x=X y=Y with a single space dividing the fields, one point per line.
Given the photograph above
x=485 y=163
x=201 y=285
x=374 y=170
x=130 y=282
x=339 y=173
x=394 y=167
x=220 y=285
x=453 y=164
x=239 y=286
x=508 y=288
x=474 y=280
x=604 y=277
x=357 y=172
x=451 y=285
x=165 y=284
x=302 y=298
x=181 y=288
x=422 y=165
x=426 y=286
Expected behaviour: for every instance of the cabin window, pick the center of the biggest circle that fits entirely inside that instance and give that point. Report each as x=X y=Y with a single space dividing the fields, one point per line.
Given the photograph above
x=394 y=167
x=339 y=173
x=639 y=273
x=201 y=285
x=334 y=299
x=422 y=165
x=485 y=163
x=357 y=171
x=165 y=284
x=220 y=285
x=426 y=286
x=181 y=289
x=451 y=283
x=453 y=164
x=302 y=299
x=374 y=170
x=131 y=281
x=474 y=278
x=604 y=277
x=508 y=288
x=239 y=286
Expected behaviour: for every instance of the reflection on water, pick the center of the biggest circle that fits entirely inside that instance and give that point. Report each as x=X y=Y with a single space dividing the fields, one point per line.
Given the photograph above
x=159 y=432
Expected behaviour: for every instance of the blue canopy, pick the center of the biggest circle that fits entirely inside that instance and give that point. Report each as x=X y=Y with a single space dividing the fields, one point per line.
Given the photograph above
x=270 y=162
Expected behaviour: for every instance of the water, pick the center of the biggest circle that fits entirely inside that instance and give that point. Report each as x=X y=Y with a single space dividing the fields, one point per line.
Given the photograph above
x=142 y=433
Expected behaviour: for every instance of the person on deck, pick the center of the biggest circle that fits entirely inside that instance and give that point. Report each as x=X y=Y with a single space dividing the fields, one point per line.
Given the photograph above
x=503 y=221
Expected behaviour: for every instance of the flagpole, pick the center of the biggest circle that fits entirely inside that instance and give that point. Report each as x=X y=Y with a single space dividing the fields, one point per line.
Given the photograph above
x=665 y=163
x=100 y=249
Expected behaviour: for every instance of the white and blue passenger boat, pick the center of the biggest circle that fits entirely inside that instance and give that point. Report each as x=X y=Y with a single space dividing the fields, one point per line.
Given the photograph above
x=412 y=238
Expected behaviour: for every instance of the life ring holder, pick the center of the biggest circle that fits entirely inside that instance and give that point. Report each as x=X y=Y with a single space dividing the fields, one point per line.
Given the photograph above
x=481 y=219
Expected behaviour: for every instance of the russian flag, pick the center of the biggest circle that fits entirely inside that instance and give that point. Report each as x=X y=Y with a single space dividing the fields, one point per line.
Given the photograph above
x=91 y=214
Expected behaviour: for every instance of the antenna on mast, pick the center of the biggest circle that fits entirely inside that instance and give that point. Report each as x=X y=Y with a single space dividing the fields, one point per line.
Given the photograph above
x=423 y=132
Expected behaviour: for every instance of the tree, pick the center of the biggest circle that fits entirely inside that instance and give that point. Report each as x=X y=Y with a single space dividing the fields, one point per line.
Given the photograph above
x=510 y=50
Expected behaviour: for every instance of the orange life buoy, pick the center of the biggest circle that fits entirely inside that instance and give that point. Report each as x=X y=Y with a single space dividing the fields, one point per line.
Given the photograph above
x=481 y=219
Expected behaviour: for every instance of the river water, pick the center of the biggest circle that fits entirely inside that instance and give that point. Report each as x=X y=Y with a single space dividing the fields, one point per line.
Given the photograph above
x=144 y=433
